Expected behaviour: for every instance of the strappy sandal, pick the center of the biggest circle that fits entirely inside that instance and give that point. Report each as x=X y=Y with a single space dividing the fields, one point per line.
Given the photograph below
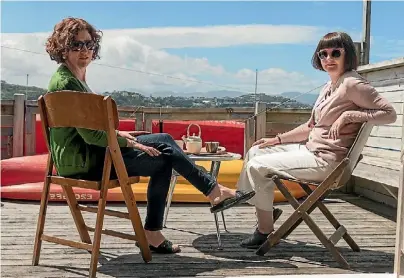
x=232 y=201
x=166 y=247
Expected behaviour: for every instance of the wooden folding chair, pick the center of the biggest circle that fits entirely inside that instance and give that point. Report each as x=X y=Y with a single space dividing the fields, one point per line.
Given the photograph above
x=90 y=111
x=335 y=180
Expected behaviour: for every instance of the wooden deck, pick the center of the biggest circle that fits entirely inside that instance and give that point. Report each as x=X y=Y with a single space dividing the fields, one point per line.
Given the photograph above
x=193 y=227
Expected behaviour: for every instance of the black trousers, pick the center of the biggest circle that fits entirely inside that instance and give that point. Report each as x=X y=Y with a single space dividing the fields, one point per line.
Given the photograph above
x=159 y=169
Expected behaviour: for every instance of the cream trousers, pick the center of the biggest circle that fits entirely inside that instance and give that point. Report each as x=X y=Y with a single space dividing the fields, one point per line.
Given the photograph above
x=290 y=160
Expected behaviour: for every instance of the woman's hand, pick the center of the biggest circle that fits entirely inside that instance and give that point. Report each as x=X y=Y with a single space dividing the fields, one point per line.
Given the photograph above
x=149 y=150
x=266 y=142
x=336 y=127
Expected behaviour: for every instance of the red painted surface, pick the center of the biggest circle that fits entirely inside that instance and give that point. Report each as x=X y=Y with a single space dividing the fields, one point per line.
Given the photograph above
x=230 y=134
x=25 y=169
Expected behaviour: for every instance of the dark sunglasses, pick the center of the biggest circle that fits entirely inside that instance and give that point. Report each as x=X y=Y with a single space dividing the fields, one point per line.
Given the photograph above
x=78 y=45
x=334 y=53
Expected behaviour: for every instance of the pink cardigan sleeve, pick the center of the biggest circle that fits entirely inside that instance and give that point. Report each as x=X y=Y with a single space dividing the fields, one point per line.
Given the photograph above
x=375 y=108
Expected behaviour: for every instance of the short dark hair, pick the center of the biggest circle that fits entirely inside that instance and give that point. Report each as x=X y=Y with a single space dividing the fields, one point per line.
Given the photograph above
x=337 y=40
x=63 y=34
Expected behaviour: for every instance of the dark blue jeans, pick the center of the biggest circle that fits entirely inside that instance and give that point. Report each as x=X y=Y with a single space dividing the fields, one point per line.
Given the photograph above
x=159 y=169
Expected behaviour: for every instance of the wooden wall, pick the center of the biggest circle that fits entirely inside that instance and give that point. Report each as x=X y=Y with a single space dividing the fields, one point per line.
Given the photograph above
x=282 y=120
x=377 y=175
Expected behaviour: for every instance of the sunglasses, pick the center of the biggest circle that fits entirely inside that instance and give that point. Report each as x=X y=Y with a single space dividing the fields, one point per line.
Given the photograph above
x=333 y=53
x=78 y=45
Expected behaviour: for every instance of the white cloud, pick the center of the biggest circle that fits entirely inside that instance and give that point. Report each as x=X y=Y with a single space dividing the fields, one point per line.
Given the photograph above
x=218 y=36
x=144 y=50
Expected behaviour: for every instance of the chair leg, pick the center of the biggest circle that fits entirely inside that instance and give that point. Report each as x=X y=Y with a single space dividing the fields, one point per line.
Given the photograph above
x=327 y=213
x=136 y=222
x=98 y=231
x=41 y=221
x=325 y=241
x=77 y=215
x=308 y=212
x=299 y=214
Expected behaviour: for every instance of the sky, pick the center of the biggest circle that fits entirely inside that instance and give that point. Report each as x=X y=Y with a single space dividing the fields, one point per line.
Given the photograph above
x=193 y=47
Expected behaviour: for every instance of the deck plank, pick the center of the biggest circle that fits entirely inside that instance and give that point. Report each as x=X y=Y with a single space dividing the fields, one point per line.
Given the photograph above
x=300 y=254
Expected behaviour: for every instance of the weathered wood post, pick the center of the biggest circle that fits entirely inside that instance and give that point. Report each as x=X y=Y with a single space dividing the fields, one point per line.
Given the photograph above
x=18 y=125
x=249 y=134
x=139 y=120
x=399 y=254
x=30 y=130
x=255 y=126
x=261 y=119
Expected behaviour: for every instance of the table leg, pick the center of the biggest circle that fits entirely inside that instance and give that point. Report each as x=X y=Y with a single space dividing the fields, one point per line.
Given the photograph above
x=219 y=242
x=174 y=178
x=214 y=171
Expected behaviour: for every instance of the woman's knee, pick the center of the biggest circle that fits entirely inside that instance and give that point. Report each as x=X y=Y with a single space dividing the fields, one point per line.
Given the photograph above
x=165 y=137
x=253 y=168
x=252 y=152
x=261 y=174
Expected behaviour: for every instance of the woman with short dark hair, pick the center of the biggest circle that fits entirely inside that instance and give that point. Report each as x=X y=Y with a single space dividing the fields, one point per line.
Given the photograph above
x=312 y=151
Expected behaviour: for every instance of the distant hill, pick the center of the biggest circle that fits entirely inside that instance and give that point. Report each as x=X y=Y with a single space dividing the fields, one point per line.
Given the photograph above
x=170 y=99
x=8 y=90
x=209 y=94
x=309 y=99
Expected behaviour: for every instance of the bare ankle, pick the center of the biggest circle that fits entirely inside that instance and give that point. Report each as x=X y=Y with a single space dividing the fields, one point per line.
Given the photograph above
x=215 y=193
x=265 y=221
x=154 y=238
x=265 y=230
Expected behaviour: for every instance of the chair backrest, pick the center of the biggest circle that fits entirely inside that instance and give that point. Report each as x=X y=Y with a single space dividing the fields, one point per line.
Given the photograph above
x=84 y=110
x=77 y=109
x=355 y=152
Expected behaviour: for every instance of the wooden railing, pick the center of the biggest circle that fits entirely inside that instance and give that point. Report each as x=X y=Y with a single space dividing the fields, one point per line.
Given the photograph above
x=18 y=121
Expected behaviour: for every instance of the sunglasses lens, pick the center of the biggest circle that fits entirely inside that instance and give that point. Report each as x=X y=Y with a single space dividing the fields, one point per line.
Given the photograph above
x=322 y=54
x=336 y=53
x=78 y=45
x=90 y=45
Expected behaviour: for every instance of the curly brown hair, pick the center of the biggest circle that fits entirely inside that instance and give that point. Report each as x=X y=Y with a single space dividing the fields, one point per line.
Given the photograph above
x=64 y=33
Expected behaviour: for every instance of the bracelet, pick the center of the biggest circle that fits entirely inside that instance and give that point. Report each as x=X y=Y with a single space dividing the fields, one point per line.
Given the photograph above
x=279 y=139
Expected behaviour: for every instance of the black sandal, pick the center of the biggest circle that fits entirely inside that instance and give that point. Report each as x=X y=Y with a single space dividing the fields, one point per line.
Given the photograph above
x=232 y=201
x=166 y=247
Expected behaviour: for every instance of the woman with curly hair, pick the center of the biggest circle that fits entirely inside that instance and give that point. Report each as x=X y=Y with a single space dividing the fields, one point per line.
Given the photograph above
x=79 y=153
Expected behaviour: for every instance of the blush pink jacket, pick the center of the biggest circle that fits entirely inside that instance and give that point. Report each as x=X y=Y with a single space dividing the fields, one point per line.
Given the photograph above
x=355 y=99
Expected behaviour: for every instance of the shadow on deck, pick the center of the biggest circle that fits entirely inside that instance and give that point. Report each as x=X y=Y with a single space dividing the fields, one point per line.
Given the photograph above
x=192 y=227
